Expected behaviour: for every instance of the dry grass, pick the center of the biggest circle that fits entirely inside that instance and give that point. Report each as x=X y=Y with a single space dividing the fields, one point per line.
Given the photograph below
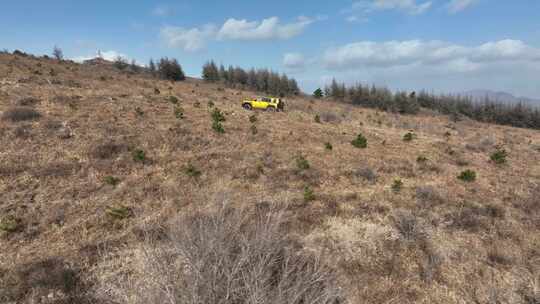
x=432 y=242
x=226 y=256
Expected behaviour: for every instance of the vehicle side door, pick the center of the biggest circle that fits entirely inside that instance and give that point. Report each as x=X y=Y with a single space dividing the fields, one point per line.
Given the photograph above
x=257 y=104
x=265 y=102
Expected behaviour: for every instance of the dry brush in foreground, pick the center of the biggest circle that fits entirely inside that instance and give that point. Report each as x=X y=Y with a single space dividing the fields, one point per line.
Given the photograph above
x=225 y=256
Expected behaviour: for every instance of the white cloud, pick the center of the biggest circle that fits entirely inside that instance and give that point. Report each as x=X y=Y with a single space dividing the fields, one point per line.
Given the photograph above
x=194 y=39
x=428 y=53
x=107 y=55
x=162 y=11
x=456 y=6
x=191 y=40
x=408 y=6
x=269 y=28
x=294 y=61
x=356 y=19
x=443 y=67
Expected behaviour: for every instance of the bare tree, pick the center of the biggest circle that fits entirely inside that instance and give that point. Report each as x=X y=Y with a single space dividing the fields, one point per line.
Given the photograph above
x=210 y=72
x=134 y=66
x=57 y=53
x=152 y=67
x=120 y=63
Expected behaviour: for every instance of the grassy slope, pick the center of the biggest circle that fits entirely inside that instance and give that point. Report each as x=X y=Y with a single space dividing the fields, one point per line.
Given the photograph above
x=460 y=242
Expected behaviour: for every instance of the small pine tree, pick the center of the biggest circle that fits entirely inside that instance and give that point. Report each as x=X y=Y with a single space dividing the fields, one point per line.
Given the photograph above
x=421 y=159
x=192 y=171
x=309 y=195
x=218 y=127
x=409 y=136
x=499 y=157
x=218 y=116
x=360 y=142
x=139 y=156
x=179 y=112
x=111 y=180
x=217 y=119
x=467 y=176
x=397 y=185
x=318 y=93
x=302 y=163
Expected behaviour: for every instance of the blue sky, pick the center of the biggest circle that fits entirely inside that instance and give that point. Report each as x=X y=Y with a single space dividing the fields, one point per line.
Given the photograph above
x=440 y=45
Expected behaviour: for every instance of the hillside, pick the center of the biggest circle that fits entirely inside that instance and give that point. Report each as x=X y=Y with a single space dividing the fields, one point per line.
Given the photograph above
x=93 y=161
x=480 y=95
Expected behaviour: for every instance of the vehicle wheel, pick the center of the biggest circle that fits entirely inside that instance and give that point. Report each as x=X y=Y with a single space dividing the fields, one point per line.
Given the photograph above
x=270 y=109
x=247 y=106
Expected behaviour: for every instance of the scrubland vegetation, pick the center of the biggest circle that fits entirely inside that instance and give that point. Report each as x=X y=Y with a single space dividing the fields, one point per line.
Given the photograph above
x=262 y=80
x=126 y=187
x=456 y=106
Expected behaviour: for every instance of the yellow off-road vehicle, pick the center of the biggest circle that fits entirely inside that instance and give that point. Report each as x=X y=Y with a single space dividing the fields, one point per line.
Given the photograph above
x=264 y=103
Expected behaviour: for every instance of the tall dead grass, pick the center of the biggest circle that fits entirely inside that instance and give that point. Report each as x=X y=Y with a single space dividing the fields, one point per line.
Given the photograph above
x=227 y=256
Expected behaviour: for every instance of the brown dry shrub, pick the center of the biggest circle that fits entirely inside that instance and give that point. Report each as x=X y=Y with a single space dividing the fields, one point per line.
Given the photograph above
x=330 y=117
x=23 y=132
x=530 y=207
x=299 y=106
x=530 y=289
x=481 y=145
x=18 y=114
x=52 y=125
x=56 y=170
x=366 y=173
x=460 y=160
x=531 y=204
x=12 y=168
x=498 y=256
x=224 y=257
x=108 y=150
x=400 y=167
x=27 y=101
x=466 y=219
x=494 y=211
x=65 y=99
x=415 y=234
x=409 y=226
x=29 y=282
x=430 y=264
x=72 y=83
x=473 y=217
x=428 y=196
